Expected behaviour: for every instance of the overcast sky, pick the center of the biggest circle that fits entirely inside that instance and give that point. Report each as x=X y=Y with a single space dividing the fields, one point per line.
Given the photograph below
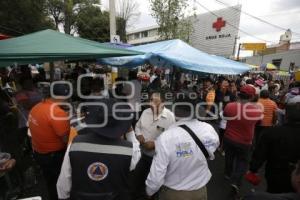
x=283 y=13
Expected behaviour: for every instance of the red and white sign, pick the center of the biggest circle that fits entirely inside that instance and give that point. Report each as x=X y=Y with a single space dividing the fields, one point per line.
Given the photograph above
x=216 y=33
x=219 y=24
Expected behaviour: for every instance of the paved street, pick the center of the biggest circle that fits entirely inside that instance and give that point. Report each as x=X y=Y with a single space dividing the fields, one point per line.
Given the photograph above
x=218 y=187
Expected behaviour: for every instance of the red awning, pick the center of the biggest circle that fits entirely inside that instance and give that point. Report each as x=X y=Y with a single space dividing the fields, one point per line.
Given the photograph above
x=3 y=37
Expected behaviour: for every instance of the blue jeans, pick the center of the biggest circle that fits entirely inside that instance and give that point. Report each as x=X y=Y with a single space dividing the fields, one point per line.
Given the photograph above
x=236 y=160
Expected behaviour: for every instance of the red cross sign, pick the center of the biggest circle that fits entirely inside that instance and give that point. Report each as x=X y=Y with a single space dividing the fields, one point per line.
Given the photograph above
x=219 y=24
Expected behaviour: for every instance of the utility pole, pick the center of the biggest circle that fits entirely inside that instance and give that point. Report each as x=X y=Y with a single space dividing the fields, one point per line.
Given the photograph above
x=234 y=46
x=113 y=33
x=51 y=65
x=112 y=19
x=238 y=53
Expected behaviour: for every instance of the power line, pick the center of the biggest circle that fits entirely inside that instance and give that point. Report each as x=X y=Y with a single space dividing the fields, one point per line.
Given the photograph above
x=245 y=32
x=257 y=18
x=280 y=13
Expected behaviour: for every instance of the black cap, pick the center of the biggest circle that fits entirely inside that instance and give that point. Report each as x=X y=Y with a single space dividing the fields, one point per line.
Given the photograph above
x=114 y=117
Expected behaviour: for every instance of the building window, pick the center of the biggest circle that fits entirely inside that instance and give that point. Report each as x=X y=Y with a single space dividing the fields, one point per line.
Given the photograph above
x=137 y=36
x=277 y=62
x=130 y=36
x=153 y=32
x=144 y=34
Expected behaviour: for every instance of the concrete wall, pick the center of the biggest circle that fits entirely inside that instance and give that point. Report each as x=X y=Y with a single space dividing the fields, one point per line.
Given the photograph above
x=287 y=57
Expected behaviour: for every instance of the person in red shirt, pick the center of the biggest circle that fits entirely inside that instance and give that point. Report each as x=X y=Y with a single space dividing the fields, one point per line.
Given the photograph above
x=49 y=126
x=242 y=117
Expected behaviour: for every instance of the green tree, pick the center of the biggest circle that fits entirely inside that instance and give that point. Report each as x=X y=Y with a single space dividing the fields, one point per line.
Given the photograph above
x=23 y=17
x=93 y=24
x=170 y=16
x=127 y=12
x=65 y=11
x=72 y=9
x=55 y=9
x=121 y=28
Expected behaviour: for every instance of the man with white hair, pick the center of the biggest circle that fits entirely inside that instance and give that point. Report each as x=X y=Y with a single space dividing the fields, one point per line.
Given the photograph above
x=153 y=122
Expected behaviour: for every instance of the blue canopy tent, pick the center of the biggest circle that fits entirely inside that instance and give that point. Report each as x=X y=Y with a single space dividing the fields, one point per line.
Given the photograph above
x=177 y=53
x=118 y=45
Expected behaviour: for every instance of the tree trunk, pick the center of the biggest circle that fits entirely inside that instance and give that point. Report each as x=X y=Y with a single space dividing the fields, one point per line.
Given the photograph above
x=56 y=23
x=68 y=9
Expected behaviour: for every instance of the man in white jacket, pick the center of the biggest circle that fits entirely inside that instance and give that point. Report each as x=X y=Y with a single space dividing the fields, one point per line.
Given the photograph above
x=179 y=168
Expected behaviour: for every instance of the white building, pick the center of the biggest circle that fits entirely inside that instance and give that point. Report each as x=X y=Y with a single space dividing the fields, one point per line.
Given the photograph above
x=281 y=55
x=282 y=59
x=213 y=33
x=143 y=35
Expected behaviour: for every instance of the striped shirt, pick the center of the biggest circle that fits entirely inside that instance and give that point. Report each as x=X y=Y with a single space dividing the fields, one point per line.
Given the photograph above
x=269 y=111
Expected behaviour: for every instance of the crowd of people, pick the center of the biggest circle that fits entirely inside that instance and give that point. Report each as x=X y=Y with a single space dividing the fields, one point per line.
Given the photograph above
x=150 y=138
